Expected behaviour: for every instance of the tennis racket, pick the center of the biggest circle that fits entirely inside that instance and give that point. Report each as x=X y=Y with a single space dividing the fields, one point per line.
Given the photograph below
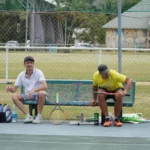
x=57 y=115
x=107 y=93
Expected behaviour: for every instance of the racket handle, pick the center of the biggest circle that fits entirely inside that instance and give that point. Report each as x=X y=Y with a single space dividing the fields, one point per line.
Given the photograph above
x=57 y=98
x=127 y=95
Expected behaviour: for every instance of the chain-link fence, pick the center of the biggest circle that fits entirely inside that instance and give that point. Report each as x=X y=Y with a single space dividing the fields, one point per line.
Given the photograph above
x=78 y=64
x=53 y=29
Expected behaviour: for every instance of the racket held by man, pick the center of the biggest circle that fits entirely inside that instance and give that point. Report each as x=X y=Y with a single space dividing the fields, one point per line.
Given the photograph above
x=57 y=115
x=108 y=93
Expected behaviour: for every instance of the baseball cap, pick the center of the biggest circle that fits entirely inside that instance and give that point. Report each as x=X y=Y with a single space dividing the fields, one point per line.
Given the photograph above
x=27 y=58
x=103 y=68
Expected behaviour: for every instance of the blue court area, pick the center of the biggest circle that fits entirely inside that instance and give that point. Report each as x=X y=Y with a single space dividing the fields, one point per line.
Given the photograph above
x=45 y=136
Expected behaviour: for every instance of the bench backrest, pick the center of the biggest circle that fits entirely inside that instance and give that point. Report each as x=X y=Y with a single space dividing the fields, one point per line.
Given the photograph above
x=77 y=92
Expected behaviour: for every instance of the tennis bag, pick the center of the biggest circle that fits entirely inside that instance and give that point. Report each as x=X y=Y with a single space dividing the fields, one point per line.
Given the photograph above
x=5 y=113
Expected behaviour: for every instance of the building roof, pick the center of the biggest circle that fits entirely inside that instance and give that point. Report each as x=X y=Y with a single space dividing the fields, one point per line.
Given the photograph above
x=143 y=6
x=137 y=17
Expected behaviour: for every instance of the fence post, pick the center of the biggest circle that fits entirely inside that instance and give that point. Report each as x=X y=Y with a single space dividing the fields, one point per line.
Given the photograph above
x=6 y=77
x=100 y=56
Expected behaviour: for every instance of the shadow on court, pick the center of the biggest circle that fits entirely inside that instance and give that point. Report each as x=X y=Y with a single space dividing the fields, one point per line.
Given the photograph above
x=19 y=136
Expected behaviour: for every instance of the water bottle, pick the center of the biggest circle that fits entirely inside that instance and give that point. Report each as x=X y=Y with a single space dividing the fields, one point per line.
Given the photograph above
x=14 y=114
x=82 y=117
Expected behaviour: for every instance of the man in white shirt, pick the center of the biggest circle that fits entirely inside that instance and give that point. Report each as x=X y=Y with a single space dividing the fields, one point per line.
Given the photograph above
x=34 y=84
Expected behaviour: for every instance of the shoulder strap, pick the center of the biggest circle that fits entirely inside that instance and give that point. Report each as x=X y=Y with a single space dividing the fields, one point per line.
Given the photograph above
x=5 y=107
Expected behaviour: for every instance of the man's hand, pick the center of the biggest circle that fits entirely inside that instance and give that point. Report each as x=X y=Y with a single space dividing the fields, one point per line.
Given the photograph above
x=122 y=93
x=30 y=94
x=9 y=89
x=93 y=103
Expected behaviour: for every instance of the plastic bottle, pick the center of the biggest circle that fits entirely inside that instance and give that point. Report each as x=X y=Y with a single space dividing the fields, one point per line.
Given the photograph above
x=82 y=117
x=14 y=114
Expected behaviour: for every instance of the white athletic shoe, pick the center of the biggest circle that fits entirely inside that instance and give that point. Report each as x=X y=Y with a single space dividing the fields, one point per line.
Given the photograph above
x=28 y=119
x=37 y=120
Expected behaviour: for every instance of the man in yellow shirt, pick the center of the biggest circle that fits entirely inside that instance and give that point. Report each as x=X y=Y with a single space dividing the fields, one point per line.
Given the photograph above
x=107 y=80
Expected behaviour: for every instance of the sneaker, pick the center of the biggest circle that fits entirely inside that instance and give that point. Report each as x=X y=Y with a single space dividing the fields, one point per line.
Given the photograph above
x=117 y=123
x=37 y=120
x=28 y=119
x=107 y=122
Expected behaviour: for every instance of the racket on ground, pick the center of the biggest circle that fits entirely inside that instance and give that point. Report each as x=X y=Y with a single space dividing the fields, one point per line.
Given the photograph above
x=107 y=93
x=57 y=115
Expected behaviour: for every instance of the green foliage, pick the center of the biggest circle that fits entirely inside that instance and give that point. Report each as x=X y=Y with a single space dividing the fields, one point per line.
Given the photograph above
x=105 y=6
x=77 y=5
x=108 y=6
x=10 y=5
x=93 y=22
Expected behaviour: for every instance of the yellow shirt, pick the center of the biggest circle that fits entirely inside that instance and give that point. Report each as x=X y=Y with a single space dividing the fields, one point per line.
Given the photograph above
x=114 y=81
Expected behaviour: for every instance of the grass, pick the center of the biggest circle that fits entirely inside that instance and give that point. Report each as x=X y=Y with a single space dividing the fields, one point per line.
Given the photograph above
x=82 y=66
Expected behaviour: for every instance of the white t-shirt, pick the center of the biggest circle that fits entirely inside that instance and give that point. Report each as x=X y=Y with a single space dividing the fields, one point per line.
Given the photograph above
x=32 y=82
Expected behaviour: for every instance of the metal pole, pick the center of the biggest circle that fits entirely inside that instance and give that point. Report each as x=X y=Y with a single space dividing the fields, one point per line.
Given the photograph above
x=100 y=57
x=6 y=65
x=119 y=38
x=26 y=36
x=32 y=24
x=65 y=31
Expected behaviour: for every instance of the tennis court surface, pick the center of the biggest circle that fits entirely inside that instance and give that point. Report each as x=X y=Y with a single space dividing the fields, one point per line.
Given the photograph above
x=19 y=136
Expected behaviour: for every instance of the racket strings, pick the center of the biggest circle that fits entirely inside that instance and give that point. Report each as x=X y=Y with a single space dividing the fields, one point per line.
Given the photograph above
x=57 y=116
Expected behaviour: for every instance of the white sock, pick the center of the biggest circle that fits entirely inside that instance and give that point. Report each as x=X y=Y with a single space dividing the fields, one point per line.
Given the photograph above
x=39 y=115
x=107 y=117
x=28 y=115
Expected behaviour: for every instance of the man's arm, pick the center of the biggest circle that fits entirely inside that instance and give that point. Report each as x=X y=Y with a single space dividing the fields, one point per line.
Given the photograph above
x=41 y=88
x=95 y=88
x=11 y=89
x=128 y=82
x=93 y=102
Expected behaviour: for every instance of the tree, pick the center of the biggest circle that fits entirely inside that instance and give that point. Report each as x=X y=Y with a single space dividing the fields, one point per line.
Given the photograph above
x=75 y=5
x=93 y=22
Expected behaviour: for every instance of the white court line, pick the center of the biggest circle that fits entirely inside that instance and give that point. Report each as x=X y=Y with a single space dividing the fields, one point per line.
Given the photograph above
x=74 y=143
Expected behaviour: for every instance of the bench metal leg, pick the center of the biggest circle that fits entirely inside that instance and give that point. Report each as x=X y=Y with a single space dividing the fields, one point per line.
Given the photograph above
x=31 y=107
x=103 y=117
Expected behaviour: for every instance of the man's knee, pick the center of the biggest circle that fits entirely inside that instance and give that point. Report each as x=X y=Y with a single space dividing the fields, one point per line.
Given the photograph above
x=41 y=94
x=16 y=97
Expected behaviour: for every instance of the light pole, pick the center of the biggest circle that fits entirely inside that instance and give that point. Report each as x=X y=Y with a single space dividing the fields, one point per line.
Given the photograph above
x=119 y=38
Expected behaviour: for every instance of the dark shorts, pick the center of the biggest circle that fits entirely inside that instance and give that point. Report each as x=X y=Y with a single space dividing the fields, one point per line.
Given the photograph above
x=111 y=96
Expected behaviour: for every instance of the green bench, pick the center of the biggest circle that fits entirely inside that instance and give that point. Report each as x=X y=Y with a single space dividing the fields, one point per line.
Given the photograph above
x=75 y=93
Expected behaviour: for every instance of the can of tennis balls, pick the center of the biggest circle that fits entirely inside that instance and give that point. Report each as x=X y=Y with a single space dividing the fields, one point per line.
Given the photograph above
x=96 y=119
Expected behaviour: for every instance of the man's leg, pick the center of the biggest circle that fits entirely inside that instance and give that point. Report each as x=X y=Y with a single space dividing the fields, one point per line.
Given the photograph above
x=17 y=101
x=41 y=101
x=118 y=104
x=103 y=105
x=118 y=108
